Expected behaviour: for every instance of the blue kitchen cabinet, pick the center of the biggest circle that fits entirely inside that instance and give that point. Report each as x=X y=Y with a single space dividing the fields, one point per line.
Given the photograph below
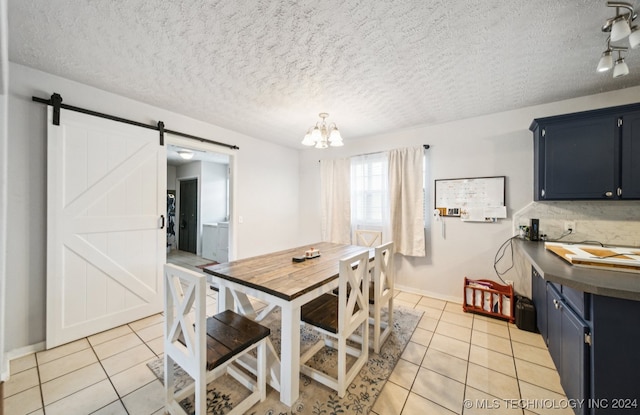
x=539 y=297
x=568 y=342
x=589 y=155
x=631 y=156
x=554 y=327
x=615 y=360
x=593 y=341
x=594 y=334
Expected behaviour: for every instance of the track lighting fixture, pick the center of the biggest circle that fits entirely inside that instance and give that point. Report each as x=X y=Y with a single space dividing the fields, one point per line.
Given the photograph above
x=620 y=28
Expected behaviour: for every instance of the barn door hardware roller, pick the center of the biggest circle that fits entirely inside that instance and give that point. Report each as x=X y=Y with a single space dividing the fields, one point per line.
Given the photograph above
x=56 y=102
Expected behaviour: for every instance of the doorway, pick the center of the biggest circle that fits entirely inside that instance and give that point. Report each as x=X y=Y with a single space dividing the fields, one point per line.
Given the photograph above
x=188 y=236
x=206 y=177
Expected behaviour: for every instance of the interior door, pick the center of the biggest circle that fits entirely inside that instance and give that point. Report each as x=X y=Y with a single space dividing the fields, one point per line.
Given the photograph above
x=188 y=239
x=106 y=243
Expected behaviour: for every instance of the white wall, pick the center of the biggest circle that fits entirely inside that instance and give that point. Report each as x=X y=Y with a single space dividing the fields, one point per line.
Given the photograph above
x=214 y=192
x=4 y=90
x=171 y=178
x=266 y=191
x=493 y=145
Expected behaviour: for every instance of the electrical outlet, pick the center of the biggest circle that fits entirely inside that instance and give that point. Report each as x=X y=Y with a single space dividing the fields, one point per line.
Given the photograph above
x=570 y=226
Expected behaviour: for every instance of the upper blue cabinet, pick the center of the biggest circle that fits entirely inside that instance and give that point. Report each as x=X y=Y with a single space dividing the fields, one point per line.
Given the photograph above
x=588 y=155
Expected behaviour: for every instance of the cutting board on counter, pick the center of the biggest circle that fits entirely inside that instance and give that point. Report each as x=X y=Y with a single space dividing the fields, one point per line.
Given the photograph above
x=613 y=258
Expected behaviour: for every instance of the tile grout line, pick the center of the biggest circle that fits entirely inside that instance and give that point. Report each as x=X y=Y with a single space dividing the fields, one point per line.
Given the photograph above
x=400 y=358
x=515 y=368
x=35 y=356
x=144 y=342
x=466 y=375
x=420 y=365
x=487 y=333
x=421 y=360
x=110 y=381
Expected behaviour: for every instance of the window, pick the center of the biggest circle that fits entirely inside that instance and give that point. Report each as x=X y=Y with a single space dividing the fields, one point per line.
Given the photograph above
x=356 y=195
x=369 y=191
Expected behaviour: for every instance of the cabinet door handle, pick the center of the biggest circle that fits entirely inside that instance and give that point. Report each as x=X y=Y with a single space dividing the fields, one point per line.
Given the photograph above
x=619 y=191
x=608 y=194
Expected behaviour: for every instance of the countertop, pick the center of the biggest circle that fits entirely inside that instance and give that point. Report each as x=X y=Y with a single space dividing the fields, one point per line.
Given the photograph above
x=595 y=281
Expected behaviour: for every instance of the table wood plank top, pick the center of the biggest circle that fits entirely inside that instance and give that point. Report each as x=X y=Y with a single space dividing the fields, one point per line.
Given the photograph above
x=278 y=275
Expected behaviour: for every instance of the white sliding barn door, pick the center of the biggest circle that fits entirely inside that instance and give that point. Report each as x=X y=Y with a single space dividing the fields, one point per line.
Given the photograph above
x=105 y=246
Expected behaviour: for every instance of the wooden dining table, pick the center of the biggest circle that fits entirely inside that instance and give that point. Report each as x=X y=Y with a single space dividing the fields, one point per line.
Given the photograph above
x=278 y=281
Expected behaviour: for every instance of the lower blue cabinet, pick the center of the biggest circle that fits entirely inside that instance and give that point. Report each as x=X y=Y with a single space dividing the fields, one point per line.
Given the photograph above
x=594 y=341
x=569 y=345
x=615 y=365
x=539 y=297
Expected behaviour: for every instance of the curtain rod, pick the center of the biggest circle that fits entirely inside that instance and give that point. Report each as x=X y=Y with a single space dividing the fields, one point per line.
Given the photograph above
x=56 y=103
x=425 y=146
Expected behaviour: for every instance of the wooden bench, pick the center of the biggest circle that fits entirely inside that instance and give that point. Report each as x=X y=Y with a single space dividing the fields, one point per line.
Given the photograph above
x=206 y=348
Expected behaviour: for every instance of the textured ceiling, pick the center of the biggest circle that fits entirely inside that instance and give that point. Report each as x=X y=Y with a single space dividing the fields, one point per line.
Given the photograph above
x=266 y=68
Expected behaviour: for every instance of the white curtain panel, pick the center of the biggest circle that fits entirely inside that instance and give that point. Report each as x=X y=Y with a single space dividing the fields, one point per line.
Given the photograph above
x=335 y=177
x=406 y=182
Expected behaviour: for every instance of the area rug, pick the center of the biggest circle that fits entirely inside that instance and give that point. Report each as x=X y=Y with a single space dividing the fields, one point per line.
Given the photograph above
x=315 y=398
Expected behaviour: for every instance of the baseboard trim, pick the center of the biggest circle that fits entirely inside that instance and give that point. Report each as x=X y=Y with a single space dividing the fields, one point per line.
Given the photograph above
x=18 y=353
x=453 y=299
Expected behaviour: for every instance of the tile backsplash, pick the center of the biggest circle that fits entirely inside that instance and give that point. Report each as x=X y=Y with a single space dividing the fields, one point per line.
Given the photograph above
x=609 y=222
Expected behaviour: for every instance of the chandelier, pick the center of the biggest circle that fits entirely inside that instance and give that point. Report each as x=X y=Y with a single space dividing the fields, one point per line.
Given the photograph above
x=620 y=28
x=322 y=135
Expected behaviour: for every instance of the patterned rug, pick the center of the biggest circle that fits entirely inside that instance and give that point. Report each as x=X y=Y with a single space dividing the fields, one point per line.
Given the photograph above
x=315 y=398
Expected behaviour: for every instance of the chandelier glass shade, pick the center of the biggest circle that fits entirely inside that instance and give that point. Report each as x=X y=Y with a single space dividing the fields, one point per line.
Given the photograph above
x=323 y=135
x=620 y=29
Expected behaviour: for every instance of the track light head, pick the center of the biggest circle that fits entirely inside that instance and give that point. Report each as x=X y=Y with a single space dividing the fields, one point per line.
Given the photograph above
x=621 y=68
x=619 y=28
x=634 y=38
x=606 y=62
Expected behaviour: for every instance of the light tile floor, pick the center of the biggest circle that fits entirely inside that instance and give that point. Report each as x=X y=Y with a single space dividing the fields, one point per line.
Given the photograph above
x=455 y=363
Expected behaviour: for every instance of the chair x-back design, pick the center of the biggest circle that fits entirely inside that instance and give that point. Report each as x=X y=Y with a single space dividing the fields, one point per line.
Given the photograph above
x=383 y=286
x=338 y=317
x=206 y=348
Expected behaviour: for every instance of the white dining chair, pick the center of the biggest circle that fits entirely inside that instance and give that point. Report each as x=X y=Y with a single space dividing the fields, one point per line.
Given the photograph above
x=366 y=237
x=337 y=318
x=206 y=348
x=382 y=294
